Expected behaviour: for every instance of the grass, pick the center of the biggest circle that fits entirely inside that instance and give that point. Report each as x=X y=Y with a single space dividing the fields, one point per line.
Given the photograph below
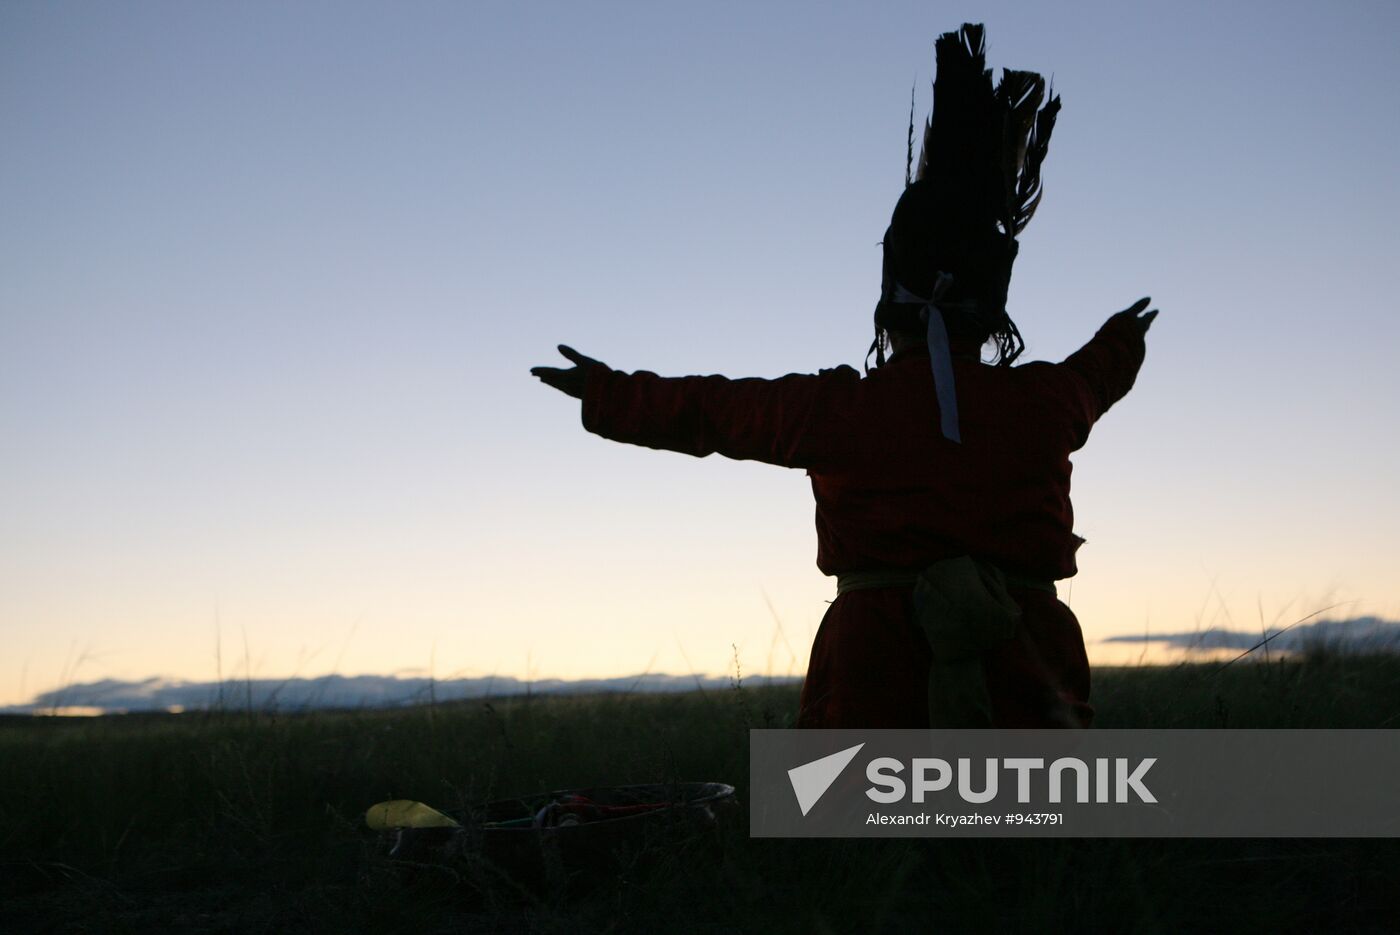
x=252 y=822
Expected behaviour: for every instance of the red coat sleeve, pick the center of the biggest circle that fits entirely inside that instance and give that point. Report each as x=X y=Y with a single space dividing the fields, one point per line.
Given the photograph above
x=798 y=421
x=1100 y=373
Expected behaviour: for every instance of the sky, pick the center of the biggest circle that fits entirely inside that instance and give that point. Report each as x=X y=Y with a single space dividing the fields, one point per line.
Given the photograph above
x=272 y=277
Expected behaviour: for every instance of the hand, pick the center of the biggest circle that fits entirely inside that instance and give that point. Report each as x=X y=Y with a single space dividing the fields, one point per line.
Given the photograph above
x=1143 y=322
x=569 y=381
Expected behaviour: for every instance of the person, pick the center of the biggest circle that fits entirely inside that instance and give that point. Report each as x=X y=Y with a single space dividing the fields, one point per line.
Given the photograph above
x=941 y=480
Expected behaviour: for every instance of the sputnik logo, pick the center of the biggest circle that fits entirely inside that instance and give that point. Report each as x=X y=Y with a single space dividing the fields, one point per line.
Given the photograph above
x=811 y=780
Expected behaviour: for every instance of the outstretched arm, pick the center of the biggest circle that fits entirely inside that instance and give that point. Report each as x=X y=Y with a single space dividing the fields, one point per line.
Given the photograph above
x=793 y=421
x=1103 y=371
x=1109 y=363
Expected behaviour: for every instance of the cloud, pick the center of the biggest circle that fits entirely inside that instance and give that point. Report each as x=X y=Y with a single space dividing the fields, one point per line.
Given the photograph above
x=1359 y=635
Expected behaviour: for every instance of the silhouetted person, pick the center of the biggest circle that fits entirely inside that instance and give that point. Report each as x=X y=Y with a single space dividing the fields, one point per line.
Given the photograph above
x=941 y=481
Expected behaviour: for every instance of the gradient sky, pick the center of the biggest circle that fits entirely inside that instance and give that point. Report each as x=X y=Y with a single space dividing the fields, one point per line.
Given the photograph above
x=272 y=277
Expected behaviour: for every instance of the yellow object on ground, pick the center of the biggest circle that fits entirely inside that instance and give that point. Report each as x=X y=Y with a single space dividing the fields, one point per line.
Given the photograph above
x=405 y=813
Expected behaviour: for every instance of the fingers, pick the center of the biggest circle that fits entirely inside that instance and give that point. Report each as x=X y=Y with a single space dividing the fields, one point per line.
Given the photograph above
x=1143 y=321
x=580 y=361
x=570 y=381
x=575 y=356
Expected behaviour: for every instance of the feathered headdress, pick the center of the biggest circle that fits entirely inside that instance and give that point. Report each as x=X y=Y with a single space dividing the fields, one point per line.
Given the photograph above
x=977 y=185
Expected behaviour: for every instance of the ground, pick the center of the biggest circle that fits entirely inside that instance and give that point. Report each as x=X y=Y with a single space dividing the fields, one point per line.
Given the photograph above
x=248 y=821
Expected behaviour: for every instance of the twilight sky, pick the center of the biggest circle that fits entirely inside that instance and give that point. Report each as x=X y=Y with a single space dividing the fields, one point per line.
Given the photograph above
x=272 y=277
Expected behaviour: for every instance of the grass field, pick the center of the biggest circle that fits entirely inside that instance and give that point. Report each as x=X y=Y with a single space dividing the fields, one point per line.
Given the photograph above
x=252 y=822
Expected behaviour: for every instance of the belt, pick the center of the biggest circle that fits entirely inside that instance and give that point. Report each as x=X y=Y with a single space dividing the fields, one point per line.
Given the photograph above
x=890 y=578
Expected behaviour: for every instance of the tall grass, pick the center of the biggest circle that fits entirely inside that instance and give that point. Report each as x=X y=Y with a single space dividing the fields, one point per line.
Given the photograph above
x=252 y=821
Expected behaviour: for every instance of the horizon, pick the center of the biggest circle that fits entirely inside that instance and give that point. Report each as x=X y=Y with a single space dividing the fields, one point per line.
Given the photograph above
x=416 y=686
x=272 y=279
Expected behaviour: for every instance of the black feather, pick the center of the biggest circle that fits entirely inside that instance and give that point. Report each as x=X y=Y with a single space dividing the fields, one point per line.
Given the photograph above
x=909 y=154
x=1028 y=188
x=976 y=186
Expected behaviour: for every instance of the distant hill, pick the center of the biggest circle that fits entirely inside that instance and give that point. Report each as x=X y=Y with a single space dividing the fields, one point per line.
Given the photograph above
x=337 y=691
x=1359 y=635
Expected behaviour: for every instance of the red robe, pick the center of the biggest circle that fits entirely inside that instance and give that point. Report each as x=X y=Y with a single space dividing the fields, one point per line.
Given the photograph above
x=893 y=493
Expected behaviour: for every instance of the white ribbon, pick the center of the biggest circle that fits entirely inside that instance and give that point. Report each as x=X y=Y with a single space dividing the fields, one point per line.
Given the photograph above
x=940 y=355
